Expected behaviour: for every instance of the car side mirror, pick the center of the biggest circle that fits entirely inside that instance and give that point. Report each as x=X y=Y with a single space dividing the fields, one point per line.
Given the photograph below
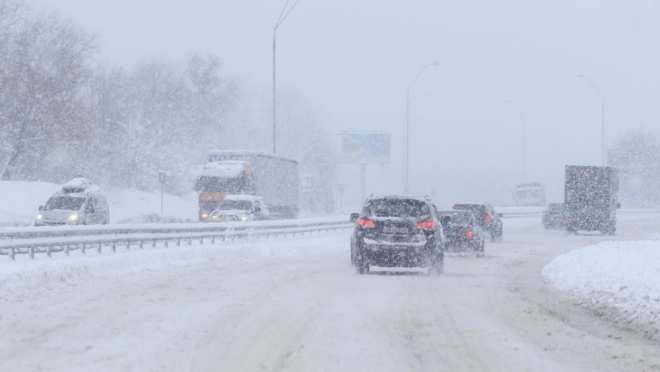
x=500 y=215
x=355 y=217
x=41 y=208
x=444 y=221
x=618 y=205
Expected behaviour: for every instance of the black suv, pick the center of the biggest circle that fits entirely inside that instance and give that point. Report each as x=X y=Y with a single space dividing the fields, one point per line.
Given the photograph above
x=486 y=217
x=398 y=231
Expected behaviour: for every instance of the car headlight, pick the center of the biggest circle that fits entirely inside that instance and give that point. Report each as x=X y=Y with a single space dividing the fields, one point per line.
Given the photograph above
x=215 y=217
x=244 y=218
x=205 y=215
x=73 y=217
x=39 y=216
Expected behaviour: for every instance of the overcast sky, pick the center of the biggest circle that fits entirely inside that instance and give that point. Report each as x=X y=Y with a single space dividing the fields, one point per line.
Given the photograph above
x=352 y=60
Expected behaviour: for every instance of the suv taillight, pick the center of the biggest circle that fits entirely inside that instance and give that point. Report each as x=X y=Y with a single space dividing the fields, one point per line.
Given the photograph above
x=467 y=234
x=364 y=223
x=488 y=219
x=426 y=225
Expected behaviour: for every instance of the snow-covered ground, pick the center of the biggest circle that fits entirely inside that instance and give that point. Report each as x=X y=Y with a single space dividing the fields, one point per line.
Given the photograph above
x=297 y=304
x=19 y=203
x=618 y=279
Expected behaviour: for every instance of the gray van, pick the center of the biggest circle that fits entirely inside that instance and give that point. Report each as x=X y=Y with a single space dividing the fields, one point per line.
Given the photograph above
x=78 y=203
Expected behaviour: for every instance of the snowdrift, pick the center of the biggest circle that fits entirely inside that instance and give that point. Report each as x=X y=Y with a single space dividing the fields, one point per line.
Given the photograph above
x=617 y=280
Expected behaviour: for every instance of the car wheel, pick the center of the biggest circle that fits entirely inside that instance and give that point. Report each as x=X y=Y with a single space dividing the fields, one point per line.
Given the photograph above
x=363 y=269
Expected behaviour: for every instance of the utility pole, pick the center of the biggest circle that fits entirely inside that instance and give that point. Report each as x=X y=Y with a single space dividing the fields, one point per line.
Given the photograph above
x=281 y=19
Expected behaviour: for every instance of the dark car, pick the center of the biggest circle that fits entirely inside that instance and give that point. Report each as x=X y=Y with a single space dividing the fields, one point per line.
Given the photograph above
x=554 y=216
x=463 y=233
x=397 y=231
x=486 y=217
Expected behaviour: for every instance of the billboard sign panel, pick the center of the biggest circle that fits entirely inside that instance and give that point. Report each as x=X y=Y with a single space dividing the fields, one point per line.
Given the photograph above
x=364 y=147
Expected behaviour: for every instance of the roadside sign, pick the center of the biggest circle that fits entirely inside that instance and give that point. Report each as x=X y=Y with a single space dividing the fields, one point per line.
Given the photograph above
x=363 y=147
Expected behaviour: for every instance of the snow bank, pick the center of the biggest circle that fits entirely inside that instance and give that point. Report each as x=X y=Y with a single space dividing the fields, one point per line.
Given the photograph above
x=618 y=280
x=20 y=201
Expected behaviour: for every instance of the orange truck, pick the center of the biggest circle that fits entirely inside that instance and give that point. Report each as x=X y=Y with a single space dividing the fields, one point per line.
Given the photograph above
x=274 y=178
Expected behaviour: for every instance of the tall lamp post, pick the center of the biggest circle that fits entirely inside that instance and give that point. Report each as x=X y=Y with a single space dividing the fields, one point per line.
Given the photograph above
x=515 y=108
x=602 y=114
x=281 y=19
x=407 y=130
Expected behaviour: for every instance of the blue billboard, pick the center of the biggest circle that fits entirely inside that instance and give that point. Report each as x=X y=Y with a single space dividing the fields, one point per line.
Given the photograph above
x=364 y=147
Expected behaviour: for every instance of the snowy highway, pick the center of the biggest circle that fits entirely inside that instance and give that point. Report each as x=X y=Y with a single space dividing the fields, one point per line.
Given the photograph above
x=297 y=304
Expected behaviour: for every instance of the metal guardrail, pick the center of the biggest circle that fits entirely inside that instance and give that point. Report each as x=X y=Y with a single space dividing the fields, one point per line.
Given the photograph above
x=139 y=238
x=61 y=231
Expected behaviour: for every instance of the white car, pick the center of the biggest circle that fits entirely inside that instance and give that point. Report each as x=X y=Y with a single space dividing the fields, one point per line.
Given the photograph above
x=240 y=208
x=80 y=202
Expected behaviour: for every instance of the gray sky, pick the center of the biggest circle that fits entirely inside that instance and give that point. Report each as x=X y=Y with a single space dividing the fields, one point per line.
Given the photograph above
x=353 y=60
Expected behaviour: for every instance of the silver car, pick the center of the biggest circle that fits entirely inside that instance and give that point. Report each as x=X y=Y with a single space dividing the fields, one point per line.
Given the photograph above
x=74 y=206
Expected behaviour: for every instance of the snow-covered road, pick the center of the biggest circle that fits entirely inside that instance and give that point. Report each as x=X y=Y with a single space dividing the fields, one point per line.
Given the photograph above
x=297 y=304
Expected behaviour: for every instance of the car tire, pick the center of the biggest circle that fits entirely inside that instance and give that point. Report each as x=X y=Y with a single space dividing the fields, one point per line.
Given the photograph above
x=363 y=269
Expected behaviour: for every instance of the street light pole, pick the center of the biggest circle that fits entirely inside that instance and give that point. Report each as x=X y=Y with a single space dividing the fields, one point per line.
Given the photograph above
x=602 y=115
x=281 y=19
x=515 y=108
x=407 y=129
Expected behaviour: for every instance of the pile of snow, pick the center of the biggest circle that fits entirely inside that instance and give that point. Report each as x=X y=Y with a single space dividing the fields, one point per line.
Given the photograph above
x=20 y=201
x=618 y=280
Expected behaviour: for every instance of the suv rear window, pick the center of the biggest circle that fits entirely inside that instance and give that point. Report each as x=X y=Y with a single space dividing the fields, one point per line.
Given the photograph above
x=478 y=210
x=457 y=218
x=396 y=208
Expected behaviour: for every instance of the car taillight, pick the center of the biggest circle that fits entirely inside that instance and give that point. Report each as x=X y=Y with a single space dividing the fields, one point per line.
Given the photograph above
x=467 y=234
x=488 y=219
x=364 y=223
x=544 y=213
x=426 y=225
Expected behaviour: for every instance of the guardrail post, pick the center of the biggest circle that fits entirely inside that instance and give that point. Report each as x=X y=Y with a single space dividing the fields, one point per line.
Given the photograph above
x=178 y=242
x=190 y=242
x=166 y=243
x=66 y=249
x=12 y=254
x=114 y=247
x=201 y=240
x=141 y=244
x=48 y=251
x=83 y=248
x=213 y=240
x=153 y=244
x=32 y=252
x=128 y=245
x=99 y=248
x=223 y=238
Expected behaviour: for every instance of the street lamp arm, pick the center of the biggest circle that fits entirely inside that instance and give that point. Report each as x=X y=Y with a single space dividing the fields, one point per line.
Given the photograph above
x=283 y=15
x=515 y=108
x=592 y=85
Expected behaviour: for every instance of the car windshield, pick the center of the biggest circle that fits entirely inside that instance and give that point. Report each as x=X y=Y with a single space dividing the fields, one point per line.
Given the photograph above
x=397 y=208
x=243 y=205
x=65 y=203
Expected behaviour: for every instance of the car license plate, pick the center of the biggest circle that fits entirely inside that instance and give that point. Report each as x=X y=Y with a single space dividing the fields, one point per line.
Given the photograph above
x=395 y=230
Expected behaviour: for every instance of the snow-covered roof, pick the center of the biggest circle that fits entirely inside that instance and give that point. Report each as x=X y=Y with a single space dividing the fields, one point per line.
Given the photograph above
x=226 y=169
x=249 y=153
x=243 y=197
x=79 y=186
x=420 y=198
